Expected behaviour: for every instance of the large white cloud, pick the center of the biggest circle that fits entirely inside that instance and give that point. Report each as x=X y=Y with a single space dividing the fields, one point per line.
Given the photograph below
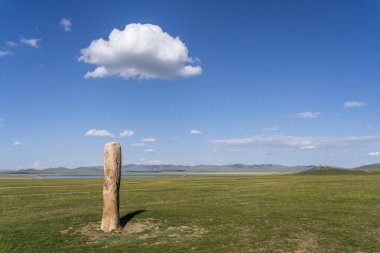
x=141 y=51
x=286 y=141
x=99 y=133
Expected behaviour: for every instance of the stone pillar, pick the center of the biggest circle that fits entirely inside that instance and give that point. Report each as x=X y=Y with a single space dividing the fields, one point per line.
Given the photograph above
x=111 y=186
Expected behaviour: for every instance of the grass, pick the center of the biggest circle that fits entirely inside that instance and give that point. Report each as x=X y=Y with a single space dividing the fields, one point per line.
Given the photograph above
x=289 y=213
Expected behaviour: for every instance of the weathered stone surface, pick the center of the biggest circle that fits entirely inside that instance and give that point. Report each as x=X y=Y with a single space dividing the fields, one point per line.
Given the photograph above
x=111 y=186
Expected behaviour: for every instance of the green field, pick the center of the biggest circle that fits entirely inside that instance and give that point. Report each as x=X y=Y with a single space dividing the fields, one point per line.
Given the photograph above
x=289 y=213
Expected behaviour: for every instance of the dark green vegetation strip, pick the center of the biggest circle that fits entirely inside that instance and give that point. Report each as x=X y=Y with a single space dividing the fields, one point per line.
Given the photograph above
x=289 y=213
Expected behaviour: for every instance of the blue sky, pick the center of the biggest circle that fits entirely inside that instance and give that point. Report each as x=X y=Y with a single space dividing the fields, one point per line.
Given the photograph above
x=286 y=82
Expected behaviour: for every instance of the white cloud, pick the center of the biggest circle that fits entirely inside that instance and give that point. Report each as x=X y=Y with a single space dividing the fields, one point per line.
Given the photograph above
x=154 y=162
x=175 y=138
x=195 y=131
x=66 y=24
x=30 y=42
x=4 y=53
x=17 y=143
x=373 y=154
x=127 y=133
x=35 y=165
x=350 y=104
x=151 y=140
x=98 y=72
x=150 y=150
x=11 y=44
x=308 y=115
x=308 y=147
x=140 y=51
x=139 y=145
x=271 y=129
x=2 y=121
x=285 y=141
x=99 y=133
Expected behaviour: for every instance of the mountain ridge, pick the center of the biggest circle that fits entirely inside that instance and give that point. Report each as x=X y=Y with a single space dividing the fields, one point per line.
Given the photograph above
x=98 y=170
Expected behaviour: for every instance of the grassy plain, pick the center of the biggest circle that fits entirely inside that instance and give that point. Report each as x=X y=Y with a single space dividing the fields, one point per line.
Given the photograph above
x=288 y=213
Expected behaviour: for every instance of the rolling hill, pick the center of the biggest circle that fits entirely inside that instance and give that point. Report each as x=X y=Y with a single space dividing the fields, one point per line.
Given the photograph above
x=327 y=170
x=98 y=170
x=370 y=168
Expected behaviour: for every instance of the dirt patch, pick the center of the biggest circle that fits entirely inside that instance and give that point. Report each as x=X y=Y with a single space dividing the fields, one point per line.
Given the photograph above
x=92 y=232
x=66 y=231
x=306 y=243
x=140 y=226
x=134 y=228
x=187 y=231
x=95 y=235
x=174 y=234
x=149 y=231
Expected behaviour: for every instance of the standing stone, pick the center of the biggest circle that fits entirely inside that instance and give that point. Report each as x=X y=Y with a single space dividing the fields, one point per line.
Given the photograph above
x=111 y=186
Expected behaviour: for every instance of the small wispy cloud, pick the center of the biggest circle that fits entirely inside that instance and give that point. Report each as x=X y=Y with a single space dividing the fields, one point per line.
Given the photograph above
x=11 y=44
x=150 y=150
x=138 y=144
x=99 y=133
x=2 y=122
x=17 y=143
x=30 y=42
x=374 y=153
x=154 y=162
x=308 y=115
x=351 y=104
x=127 y=133
x=195 y=131
x=308 y=147
x=286 y=141
x=66 y=24
x=35 y=165
x=271 y=129
x=151 y=140
x=4 y=53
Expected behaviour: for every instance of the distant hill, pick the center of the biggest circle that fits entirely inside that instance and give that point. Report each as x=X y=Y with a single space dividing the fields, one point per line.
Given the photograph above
x=370 y=168
x=302 y=170
x=327 y=170
x=98 y=170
